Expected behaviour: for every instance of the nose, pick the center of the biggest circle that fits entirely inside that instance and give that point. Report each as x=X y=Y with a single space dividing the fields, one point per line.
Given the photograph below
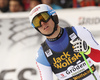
x=42 y=23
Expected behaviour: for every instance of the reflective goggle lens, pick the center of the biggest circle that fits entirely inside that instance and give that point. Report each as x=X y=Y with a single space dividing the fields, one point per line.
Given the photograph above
x=40 y=17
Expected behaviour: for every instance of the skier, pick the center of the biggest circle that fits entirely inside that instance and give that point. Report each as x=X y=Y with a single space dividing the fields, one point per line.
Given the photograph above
x=67 y=52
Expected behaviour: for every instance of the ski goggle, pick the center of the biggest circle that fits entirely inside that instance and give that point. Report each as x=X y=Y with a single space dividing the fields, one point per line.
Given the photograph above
x=36 y=22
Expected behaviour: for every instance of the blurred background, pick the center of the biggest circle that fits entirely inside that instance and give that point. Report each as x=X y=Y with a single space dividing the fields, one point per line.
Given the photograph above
x=19 y=42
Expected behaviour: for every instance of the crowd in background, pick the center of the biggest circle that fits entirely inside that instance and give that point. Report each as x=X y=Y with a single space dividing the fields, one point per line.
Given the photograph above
x=27 y=5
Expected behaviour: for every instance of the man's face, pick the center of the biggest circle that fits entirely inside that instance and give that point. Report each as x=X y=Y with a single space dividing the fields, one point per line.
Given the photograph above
x=3 y=3
x=33 y=4
x=47 y=27
x=46 y=1
x=14 y=6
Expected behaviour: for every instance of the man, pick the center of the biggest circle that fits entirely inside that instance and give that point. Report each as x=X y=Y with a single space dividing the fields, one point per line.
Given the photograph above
x=33 y=3
x=16 y=6
x=52 y=4
x=62 y=51
x=4 y=6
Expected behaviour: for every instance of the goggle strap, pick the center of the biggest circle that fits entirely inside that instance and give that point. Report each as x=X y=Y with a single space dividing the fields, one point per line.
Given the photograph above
x=33 y=25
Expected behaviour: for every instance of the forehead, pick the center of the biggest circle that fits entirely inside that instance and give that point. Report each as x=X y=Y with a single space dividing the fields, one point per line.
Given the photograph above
x=3 y=1
x=14 y=1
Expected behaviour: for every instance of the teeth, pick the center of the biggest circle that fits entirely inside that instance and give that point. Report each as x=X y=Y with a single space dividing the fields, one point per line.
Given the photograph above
x=45 y=27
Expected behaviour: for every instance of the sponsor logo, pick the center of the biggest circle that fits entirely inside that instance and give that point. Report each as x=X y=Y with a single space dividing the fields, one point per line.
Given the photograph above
x=73 y=36
x=83 y=74
x=62 y=75
x=48 y=53
x=35 y=10
x=84 y=20
x=76 y=68
x=52 y=11
x=65 y=59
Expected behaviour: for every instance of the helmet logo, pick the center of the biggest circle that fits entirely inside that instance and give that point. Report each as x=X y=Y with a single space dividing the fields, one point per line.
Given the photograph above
x=34 y=11
x=52 y=12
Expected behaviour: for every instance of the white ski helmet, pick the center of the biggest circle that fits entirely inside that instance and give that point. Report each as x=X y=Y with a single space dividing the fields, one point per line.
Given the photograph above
x=43 y=8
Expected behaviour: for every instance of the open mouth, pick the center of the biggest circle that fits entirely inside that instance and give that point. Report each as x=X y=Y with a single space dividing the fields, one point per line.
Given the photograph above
x=46 y=27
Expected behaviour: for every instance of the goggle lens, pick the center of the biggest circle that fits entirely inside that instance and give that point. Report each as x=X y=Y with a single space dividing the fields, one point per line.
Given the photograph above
x=40 y=17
